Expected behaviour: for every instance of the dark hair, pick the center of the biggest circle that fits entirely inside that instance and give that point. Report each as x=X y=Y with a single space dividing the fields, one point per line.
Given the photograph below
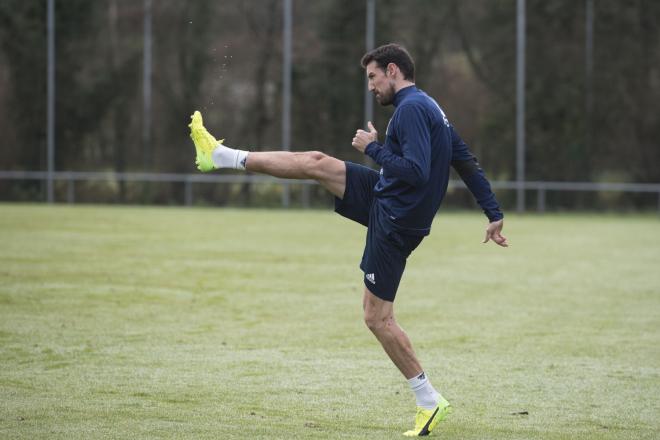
x=391 y=53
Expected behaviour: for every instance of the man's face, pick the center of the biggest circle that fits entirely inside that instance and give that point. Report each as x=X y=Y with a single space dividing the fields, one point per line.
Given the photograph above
x=380 y=84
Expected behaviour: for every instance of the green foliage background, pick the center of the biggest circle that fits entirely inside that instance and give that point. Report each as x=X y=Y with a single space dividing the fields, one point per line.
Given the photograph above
x=224 y=58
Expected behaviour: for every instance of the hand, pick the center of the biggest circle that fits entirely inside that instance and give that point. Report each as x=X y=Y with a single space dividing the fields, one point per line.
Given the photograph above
x=363 y=138
x=493 y=232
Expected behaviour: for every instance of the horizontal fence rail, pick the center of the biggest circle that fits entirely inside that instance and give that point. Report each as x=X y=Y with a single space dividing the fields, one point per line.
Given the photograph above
x=541 y=187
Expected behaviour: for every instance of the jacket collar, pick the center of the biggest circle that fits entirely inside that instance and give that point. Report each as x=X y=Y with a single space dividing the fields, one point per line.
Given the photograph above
x=401 y=94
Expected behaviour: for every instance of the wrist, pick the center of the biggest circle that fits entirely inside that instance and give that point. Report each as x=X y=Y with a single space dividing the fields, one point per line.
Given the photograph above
x=494 y=216
x=371 y=148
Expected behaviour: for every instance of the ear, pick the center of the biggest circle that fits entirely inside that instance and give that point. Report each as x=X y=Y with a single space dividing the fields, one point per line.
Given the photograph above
x=390 y=70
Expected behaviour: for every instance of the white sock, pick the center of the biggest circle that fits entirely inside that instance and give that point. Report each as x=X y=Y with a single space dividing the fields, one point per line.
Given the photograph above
x=225 y=157
x=427 y=397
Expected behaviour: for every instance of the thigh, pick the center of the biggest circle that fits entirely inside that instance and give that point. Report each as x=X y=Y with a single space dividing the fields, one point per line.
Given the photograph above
x=382 y=263
x=385 y=254
x=376 y=308
x=331 y=175
x=358 y=197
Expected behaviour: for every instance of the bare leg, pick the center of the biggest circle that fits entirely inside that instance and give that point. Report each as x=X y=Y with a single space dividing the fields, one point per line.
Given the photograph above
x=328 y=171
x=379 y=317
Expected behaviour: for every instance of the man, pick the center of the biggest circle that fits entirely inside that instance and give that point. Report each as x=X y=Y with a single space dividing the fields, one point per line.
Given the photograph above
x=397 y=205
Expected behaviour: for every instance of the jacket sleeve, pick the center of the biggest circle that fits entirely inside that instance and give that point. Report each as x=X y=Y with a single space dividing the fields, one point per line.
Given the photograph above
x=414 y=136
x=464 y=162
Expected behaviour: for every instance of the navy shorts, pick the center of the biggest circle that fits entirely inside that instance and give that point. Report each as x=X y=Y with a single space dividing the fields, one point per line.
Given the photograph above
x=386 y=249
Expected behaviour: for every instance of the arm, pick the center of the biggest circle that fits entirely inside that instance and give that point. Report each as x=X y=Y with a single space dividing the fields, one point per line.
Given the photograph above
x=474 y=177
x=414 y=136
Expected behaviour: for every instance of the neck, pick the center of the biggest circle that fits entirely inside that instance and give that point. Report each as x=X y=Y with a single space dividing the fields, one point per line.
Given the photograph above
x=402 y=85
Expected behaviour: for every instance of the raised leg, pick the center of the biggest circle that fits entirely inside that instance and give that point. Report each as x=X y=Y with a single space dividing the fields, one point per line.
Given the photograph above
x=328 y=171
x=212 y=154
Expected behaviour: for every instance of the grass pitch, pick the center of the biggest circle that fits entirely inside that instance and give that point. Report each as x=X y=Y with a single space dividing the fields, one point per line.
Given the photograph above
x=213 y=323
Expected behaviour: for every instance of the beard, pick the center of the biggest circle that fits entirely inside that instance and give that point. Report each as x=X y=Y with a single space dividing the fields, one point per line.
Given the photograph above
x=386 y=97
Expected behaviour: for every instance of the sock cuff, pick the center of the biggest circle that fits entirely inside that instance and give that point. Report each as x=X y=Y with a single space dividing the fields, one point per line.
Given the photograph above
x=241 y=159
x=226 y=157
x=418 y=381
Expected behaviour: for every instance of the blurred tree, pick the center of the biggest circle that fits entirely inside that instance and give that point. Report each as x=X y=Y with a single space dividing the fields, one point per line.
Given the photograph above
x=182 y=33
x=487 y=32
x=224 y=58
x=23 y=43
x=262 y=25
x=626 y=86
x=627 y=90
x=556 y=92
x=124 y=53
x=329 y=82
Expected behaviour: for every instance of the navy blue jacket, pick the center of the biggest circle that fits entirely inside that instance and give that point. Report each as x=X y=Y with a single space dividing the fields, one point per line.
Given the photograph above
x=420 y=146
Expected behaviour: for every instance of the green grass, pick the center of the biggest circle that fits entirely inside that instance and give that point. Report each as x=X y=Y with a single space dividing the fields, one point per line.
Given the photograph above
x=211 y=323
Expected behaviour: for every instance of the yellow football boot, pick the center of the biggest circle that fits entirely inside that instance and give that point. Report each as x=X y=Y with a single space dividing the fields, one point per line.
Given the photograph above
x=204 y=141
x=427 y=419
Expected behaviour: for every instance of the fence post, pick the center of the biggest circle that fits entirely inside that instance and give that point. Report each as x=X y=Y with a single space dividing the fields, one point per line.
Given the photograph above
x=50 y=104
x=287 y=32
x=520 y=104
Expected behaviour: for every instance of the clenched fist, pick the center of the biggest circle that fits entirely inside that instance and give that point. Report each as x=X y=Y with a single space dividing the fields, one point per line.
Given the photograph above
x=363 y=138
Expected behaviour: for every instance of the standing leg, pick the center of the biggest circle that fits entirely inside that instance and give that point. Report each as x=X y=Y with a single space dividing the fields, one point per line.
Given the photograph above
x=432 y=408
x=379 y=317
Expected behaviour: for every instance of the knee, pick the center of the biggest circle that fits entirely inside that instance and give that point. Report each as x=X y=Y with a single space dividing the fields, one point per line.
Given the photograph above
x=316 y=156
x=315 y=163
x=375 y=323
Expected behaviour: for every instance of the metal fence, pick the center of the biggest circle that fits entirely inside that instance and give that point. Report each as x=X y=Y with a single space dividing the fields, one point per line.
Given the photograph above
x=188 y=180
